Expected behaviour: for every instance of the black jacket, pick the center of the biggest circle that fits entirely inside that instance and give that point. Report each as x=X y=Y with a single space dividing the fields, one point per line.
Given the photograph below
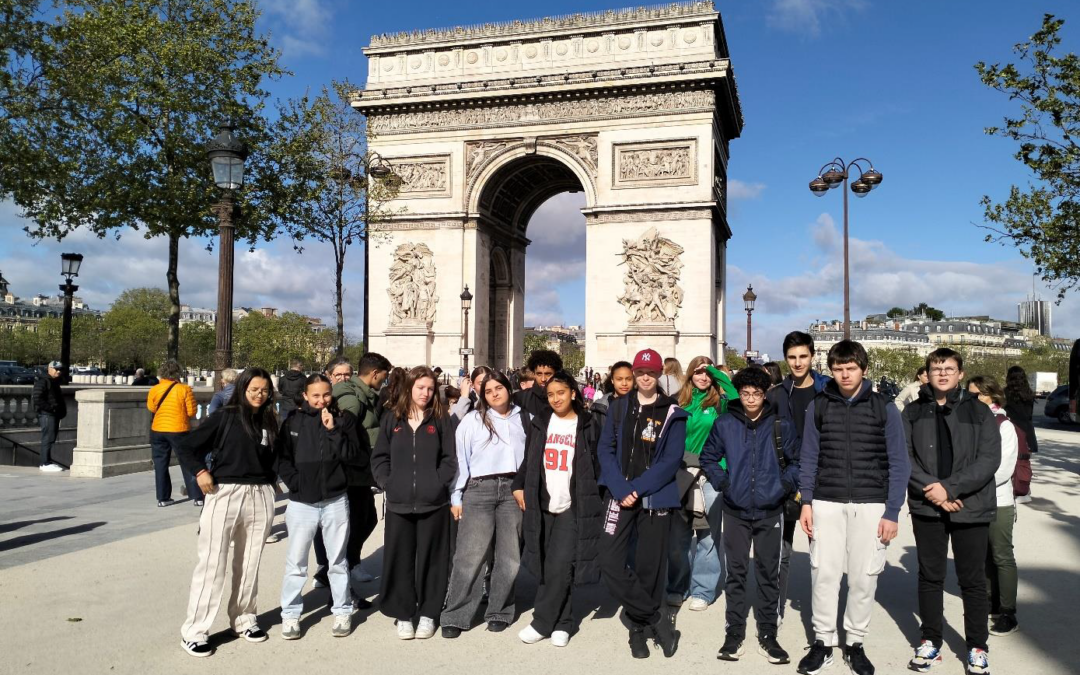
x=585 y=497
x=1020 y=414
x=48 y=398
x=310 y=459
x=415 y=468
x=976 y=448
x=532 y=400
x=241 y=459
x=291 y=386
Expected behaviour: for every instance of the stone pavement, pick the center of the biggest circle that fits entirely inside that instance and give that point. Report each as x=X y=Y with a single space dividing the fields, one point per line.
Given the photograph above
x=94 y=579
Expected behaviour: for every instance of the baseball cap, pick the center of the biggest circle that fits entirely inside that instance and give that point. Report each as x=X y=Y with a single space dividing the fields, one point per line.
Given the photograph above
x=56 y=365
x=648 y=359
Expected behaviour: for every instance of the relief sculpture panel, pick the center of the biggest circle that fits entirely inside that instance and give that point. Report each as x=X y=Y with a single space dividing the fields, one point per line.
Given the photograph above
x=413 y=299
x=423 y=177
x=652 y=294
x=655 y=164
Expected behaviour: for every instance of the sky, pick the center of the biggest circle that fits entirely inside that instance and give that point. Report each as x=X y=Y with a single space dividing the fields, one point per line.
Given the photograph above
x=890 y=81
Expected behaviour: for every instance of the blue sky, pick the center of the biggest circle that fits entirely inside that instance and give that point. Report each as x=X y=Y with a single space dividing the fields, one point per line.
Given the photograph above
x=891 y=81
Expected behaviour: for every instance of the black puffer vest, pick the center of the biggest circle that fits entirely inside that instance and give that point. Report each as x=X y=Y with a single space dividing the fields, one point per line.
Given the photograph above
x=853 y=466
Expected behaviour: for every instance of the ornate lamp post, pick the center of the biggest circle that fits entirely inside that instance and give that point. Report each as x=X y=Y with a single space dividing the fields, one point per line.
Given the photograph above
x=227 y=155
x=466 y=304
x=831 y=176
x=374 y=166
x=69 y=267
x=749 y=297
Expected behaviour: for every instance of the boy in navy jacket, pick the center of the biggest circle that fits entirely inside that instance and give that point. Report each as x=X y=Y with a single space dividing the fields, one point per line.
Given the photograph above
x=640 y=449
x=762 y=471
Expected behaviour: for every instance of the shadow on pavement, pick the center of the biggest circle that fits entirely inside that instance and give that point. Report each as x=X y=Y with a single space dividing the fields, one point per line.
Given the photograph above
x=29 y=539
x=9 y=527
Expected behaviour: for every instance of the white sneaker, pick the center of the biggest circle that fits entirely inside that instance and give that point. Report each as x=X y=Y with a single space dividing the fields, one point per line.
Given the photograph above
x=560 y=638
x=698 y=604
x=51 y=468
x=405 y=630
x=342 y=625
x=425 y=629
x=675 y=600
x=360 y=576
x=290 y=629
x=529 y=635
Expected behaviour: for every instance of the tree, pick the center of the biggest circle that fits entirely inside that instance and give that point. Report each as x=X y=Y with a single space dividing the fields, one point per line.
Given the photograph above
x=1043 y=219
x=121 y=100
x=533 y=342
x=320 y=154
x=271 y=342
x=136 y=328
x=929 y=312
x=198 y=345
x=734 y=360
x=897 y=365
x=896 y=312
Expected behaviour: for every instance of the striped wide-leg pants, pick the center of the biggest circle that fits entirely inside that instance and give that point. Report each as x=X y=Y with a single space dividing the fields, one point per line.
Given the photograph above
x=240 y=515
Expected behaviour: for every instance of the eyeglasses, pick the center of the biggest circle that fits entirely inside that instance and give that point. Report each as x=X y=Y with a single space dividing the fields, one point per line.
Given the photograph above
x=752 y=395
x=258 y=392
x=944 y=371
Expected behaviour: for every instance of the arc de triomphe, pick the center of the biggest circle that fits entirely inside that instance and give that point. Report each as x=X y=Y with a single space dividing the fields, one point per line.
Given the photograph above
x=635 y=108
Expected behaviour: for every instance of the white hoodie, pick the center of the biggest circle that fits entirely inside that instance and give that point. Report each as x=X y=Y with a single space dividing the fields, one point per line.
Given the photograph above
x=1009 y=453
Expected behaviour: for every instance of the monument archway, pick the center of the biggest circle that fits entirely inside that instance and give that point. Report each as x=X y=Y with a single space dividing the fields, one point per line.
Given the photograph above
x=633 y=108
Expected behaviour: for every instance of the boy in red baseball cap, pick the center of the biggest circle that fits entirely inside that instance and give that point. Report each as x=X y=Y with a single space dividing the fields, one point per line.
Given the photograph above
x=640 y=450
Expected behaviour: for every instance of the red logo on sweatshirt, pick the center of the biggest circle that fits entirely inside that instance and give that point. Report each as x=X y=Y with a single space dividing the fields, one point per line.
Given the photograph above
x=431 y=428
x=397 y=429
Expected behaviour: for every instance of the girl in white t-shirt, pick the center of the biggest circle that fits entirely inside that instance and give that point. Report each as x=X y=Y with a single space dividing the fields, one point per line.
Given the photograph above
x=556 y=487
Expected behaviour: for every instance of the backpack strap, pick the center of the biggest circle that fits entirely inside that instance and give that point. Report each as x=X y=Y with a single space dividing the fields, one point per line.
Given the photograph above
x=219 y=440
x=778 y=441
x=161 y=400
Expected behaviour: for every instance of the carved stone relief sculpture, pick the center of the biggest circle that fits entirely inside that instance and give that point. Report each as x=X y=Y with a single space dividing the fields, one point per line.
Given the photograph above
x=427 y=177
x=652 y=294
x=584 y=147
x=647 y=164
x=478 y=152
x=412 y=285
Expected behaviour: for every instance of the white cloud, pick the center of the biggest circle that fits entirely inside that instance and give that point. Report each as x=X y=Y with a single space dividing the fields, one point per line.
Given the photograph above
x=555 y=257
x=807 y=16
x=302 y=24
x=738 y=189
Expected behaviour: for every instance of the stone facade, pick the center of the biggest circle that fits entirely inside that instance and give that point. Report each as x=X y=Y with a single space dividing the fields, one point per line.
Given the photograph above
x=634 y=108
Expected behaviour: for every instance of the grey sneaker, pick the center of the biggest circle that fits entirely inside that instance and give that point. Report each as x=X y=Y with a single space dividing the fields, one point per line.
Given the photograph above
x=290 y=629
x=342 y=625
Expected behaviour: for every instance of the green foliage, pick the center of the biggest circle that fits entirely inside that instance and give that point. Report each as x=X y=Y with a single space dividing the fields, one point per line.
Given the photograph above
x=929 y=312
x=734 y=360
x=533 y=342
x=573 y=357
x=1043 y=219
x=898 y=365
x=896 y=312
x=271 y=342
x=198 y=345
x=136 y=329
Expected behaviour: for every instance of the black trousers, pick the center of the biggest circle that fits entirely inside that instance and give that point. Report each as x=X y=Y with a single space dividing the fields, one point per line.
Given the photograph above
x=362 y=521
x=553 y=608
x=766 y=536
x=969 y=541
x=639 y=590
x=416 y=563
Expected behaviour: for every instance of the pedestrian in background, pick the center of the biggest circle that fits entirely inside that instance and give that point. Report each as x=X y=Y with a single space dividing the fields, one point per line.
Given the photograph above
x=50 y=406
x=173 y=406
x=775 y=374
x=222 y=396
x=672 y=379
x=1020 y=405
x=291 y=386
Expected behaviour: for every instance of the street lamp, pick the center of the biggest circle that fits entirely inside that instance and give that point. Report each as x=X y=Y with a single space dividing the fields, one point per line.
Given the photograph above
x=831 y=176
x=374 y=165
x=69 y=267
x=466 y=304
x=748 y=301
x=227 y=154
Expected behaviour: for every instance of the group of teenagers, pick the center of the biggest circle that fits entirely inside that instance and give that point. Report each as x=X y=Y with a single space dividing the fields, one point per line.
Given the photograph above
x=654 y=494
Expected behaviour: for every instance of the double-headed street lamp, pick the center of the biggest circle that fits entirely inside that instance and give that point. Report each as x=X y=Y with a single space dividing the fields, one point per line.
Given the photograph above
x=830 y=176
x=69 y=267
x=227 y=154
x=377 y=167
x=466 y=305
x=749 y=297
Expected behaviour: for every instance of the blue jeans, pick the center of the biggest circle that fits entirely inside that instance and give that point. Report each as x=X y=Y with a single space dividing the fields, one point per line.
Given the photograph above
x=50 y=427
x=697 y=569
x=162 y=446
x=303 y=521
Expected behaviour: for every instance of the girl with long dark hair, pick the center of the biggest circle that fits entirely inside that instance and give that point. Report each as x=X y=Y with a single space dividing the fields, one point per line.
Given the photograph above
x=563 y=511
x=313 y=448
x=490 y=447
x=1020 y=404
x=414 y=462
x=231 y=455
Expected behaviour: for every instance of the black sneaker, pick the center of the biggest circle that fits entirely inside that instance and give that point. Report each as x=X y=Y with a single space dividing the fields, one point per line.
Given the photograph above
x=639 y=648
x=856 y=659
x=199 y=649
x=1004 y=624
x=253 y=634
x=732 y=649
x=497 y=626
x=451 y=632
x=771 y=649
x=665 y=636
x=816 y=660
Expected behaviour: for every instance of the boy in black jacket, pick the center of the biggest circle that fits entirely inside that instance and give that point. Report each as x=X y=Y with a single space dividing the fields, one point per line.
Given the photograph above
x=762 y=470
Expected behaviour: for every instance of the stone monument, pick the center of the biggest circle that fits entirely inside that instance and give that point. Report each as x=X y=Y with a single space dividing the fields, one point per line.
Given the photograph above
x=634 y=108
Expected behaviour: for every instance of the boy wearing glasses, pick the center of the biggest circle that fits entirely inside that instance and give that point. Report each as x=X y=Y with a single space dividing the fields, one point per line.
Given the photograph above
x=761 y=471
x=854 y=469
x=955 y=449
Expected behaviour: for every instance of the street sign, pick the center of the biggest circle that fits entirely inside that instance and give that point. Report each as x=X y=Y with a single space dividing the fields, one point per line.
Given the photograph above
x=751 y=354
x=465 y=351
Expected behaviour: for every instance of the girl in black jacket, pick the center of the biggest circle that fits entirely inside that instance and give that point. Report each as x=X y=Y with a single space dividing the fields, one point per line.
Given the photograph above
x=312 y=449
x=231 y=456
x=556 y=486
x=414 y=462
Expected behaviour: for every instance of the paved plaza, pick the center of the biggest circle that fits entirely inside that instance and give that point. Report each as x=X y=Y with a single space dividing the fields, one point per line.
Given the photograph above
x=94 y=579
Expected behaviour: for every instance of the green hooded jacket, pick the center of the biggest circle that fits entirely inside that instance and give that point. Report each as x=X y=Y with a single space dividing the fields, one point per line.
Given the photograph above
x=362 y=401
x=701 y=419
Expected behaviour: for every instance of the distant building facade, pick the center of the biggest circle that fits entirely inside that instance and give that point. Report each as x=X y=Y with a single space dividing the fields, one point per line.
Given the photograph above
x=19 y=314
x=1036 y=314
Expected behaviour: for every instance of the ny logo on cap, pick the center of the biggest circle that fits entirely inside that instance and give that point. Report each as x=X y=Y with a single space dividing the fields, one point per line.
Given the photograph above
x=646 y=356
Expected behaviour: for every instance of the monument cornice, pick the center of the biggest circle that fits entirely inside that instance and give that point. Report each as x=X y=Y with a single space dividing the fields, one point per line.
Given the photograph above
x=590 y=22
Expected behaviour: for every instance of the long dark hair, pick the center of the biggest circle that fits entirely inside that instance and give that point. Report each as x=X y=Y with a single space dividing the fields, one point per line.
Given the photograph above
x=255 y=421
x=402 y=403
x=393 y=384
x=1017 y=389
x=566 y=378
x=482 y=406
x=319 y=377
